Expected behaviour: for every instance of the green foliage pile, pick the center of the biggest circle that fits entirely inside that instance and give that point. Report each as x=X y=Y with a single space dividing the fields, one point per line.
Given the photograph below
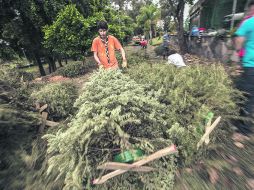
x=75 y=69
x=189 y=94
x=59 y=97
x=114 y=114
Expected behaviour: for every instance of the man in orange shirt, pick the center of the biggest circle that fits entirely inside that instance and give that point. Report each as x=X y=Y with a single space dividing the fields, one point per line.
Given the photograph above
x=104 y=47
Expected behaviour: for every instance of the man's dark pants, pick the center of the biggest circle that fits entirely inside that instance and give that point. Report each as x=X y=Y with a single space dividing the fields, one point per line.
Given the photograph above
x=247 y=85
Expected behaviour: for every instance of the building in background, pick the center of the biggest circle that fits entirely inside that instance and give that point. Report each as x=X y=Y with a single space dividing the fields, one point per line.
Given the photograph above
x=216 y=14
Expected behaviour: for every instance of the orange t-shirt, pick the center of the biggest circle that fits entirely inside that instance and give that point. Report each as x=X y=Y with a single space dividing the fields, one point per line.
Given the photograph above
x=108 y=61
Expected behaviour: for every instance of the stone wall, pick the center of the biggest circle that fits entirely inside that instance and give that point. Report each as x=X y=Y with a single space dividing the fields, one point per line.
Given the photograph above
x=212 y=47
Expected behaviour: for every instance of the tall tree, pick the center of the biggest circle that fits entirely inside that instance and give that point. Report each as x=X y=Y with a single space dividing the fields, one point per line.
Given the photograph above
x=148 y=17
x=175 y=8
x=120 y=3
x=21 y=26
x=67 y=35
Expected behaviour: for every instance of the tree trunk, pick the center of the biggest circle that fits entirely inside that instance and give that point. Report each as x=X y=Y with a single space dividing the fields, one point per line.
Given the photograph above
x=180 y=28
x=150 y=35
x=60 y=62
x=52 y=64
x=39 y=63
x=50 y=67
x=84 y=60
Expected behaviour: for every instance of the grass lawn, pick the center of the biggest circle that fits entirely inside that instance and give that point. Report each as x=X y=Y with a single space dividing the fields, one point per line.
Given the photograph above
x=156 y=41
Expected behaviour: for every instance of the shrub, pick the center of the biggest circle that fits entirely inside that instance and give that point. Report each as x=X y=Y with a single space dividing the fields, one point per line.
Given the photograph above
x=189 y=94
x=75 y=69
x=71 y=70
x=114 y=114
x=159 y=50
x=59 y=97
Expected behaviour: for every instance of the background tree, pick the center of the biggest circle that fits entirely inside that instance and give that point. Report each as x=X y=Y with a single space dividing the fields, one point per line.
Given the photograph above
x=148 y=18
x=21 y=26
x=66 y=36
x=120 y=24
x=6 y=52
x=175 y=8
x=22 y=22
x=120 y=3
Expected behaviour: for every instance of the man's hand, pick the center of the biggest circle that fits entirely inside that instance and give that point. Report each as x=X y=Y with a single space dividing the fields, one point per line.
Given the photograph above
x=101 y=66
x=239 y=70
x=124 y=64
x=239 y=41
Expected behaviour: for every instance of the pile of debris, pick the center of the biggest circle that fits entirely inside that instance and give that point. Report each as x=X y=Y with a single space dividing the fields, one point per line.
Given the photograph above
x=51 y=79
x=191 y=59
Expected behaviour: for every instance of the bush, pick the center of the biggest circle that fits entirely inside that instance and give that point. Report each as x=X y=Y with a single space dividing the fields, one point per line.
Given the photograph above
x=114 y=114
x=159 y=50
x=59 y=97
x=135 y=59
x=189 y=94
x=75 y=69
x=71 y=70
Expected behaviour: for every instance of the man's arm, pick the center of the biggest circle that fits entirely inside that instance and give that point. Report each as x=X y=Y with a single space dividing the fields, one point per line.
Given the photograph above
x=124 y=65
x=239 y=42
x=241 y=35
x=119 y=47
x=96 y=58
x=123 y=54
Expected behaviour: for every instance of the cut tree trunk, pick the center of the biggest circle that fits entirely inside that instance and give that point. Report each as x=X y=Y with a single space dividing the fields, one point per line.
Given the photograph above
x=60 y=62
x=52 y=64
x=39 y=63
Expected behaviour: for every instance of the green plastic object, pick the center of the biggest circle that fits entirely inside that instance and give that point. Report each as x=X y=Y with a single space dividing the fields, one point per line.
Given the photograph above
x=129 y=156
x=209 y=117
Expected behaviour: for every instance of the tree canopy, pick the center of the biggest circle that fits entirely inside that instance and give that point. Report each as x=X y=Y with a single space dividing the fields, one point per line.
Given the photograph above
x=56 y=29
x=148 y=17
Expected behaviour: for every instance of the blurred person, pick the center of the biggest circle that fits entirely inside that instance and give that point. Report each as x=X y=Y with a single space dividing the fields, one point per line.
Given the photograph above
x=245 y=39
x=249 y=14
x=165 y=45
